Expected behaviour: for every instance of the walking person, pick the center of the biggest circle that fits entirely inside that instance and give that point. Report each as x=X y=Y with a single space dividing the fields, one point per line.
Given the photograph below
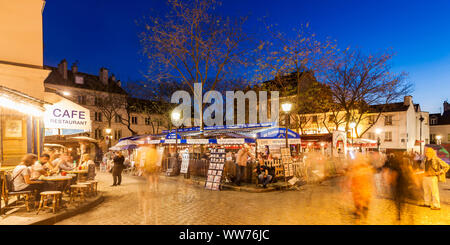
x=117 y=168
x=360 y=177
x=435 y=170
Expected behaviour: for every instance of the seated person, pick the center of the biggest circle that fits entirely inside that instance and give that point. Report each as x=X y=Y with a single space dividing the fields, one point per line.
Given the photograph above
x=21 y=178
x=65 y=164
x=37 y=169
x=87 y=163
x=263 y=172
x=52 y=164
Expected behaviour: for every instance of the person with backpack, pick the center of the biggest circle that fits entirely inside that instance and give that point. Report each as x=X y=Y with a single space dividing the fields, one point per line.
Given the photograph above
x=21 y=180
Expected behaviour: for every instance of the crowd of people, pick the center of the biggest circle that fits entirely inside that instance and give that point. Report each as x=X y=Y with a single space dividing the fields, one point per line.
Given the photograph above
x=27 y=176
x=398 y=176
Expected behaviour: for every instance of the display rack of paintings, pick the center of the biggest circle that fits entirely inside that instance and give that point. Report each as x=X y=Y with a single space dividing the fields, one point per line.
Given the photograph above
x=215 y=171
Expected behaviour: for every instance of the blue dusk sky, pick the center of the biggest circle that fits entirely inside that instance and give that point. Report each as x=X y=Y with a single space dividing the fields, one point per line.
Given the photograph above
x=103 y=33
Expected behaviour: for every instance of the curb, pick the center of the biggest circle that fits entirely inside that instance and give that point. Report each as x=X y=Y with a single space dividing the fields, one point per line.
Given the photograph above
x=70 y=212
x=224 y=186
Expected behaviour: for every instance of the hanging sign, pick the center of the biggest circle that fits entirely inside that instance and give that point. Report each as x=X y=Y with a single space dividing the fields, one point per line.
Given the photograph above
x=67 y=115
x=197 y=141
x=230 y=141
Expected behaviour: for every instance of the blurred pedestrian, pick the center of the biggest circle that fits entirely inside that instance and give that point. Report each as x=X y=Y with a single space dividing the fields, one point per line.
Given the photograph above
x=361 y=185
x=435 y=170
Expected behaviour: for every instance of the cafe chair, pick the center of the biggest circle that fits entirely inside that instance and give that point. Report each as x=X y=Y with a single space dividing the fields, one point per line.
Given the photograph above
x=90 y=187
x=7 y=192
x=45 y=196
x=94 y=186
x=78 y=190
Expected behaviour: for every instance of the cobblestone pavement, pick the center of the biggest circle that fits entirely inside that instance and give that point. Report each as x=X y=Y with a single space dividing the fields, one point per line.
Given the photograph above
x=177 y=203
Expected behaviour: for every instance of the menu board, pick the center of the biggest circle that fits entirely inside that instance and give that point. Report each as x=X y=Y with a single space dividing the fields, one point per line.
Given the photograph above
x=184 y=162
x=215 y=171
x=160 y=154
x=287 y=162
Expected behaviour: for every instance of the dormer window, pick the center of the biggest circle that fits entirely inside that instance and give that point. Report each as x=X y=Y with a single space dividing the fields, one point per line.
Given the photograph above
x=79 y=80
x=433 y=121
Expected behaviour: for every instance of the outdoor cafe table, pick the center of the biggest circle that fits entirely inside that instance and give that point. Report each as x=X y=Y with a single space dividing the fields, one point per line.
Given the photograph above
x=77 y=172
x=61 y=182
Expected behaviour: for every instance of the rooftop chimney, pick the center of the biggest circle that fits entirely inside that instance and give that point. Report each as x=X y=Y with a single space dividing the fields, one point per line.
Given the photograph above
x=113 y=78
x=62 y=68
x=104 y=75
x=119 y=83
x=407 y=100
x=74 y=68
x=446 y=106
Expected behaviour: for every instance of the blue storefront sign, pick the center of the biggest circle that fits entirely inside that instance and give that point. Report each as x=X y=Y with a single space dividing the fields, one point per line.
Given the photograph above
x=277 y=133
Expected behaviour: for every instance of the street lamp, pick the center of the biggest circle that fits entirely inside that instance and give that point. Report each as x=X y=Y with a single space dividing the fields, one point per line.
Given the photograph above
x=352 y=126
x=286 y=107
x=421 y=120
x=108 y=133
x=175 y=117
x=378 y=132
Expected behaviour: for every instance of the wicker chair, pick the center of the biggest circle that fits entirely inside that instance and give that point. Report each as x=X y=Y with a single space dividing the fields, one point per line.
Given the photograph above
x=7 y=193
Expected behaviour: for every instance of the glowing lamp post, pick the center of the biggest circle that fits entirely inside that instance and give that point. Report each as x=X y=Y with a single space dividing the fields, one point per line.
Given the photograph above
x=378 y=132
x=108 y=137
x=352 y=126
x=286 y=107
x=175 y=117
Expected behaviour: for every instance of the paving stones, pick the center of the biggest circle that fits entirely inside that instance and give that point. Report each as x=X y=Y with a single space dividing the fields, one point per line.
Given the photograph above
x=178 y=203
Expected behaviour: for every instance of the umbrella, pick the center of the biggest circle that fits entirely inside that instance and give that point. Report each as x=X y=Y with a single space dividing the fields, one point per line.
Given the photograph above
x=84 y=138
x=115 y=148
x=129 y=147
x=125 y=143
x=54 y=145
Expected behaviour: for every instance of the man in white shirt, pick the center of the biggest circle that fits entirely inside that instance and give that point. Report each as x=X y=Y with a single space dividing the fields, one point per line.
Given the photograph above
x=64 y=164
x=37 y=169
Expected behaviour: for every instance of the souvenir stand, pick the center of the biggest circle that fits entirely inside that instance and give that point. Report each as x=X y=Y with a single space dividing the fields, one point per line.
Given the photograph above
x=204 y=154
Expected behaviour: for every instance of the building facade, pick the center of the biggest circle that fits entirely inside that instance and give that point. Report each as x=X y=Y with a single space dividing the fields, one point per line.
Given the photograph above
x=22 y=96
x=440 y=126
x=397 y=127
x=106 y=99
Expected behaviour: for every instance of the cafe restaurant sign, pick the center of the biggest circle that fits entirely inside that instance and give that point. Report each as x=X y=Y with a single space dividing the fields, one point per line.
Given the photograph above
x=67 y=115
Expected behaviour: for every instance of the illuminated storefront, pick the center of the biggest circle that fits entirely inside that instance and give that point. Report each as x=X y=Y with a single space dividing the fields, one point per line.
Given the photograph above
x=21 y=120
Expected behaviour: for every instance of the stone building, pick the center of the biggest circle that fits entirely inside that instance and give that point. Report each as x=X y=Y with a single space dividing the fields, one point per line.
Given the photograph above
x=398 y=126
x=22 y=96
x=105 y=98
x=440 y=126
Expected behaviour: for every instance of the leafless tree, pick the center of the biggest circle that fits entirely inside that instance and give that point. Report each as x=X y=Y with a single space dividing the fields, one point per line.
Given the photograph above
x=193 y=44
x=290 y=61
x=358 y=82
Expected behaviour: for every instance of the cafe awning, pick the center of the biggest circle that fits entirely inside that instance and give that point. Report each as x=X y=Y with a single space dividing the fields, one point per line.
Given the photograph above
x=23 y=103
